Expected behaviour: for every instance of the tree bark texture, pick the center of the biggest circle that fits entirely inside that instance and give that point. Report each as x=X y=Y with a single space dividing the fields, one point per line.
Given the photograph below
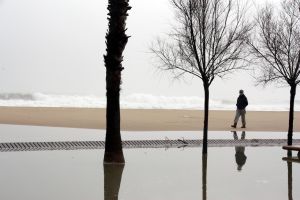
x=116 y=40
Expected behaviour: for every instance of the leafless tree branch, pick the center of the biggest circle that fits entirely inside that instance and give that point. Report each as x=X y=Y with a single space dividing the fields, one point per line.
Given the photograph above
x=276 y=44
x=209 y=39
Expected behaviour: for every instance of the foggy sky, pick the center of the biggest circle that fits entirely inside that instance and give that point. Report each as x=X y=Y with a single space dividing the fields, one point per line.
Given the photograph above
x=57 y=47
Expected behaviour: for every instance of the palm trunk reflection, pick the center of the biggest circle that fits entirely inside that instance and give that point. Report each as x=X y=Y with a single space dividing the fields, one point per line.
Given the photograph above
x=112 y=180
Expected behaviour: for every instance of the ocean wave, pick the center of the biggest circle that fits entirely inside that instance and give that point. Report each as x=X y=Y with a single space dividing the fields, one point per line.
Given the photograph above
x=133 y=101
x=17 y=96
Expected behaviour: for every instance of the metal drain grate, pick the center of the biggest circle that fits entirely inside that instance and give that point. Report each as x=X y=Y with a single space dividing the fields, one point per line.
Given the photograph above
x=44 y=146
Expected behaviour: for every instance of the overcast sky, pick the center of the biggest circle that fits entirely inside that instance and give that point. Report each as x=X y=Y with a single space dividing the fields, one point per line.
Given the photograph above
x=57 y=47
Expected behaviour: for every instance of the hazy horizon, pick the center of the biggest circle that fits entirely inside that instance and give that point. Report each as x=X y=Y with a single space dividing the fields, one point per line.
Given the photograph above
x=57 y=47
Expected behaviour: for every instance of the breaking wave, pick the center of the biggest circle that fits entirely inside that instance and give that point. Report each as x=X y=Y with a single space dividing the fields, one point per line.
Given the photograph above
x=133 y=101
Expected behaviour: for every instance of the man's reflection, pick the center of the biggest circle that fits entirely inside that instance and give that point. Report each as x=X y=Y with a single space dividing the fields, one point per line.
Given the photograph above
x=240 y=157
x=112 y=180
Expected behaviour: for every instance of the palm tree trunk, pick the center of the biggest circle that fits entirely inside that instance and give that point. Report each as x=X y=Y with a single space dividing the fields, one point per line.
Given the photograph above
x=206 y=110
x=291 y=113
x=116 y=40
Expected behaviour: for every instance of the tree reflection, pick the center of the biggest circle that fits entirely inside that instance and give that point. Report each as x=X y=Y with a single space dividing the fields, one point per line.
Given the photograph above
x=290 y=180
x=112 y=180
x=204 y=176
x=289 y=160
x=240 y=157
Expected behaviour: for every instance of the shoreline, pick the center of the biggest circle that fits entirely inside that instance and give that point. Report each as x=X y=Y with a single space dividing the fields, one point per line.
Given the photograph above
x=146 y=119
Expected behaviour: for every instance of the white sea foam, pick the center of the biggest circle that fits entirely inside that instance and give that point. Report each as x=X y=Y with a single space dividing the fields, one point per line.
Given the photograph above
x=134 y=101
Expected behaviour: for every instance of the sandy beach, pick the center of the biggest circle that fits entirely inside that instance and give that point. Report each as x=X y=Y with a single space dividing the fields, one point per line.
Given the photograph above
x=144 y=120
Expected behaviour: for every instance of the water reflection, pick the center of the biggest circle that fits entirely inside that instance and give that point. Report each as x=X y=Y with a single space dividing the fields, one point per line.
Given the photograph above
x=290 y=180
x=289 y=160
x=204 y=177
x=112 y=180
x=240 y=157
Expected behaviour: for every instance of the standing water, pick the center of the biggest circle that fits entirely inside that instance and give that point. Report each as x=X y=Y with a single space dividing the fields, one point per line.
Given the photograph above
x=229 y=172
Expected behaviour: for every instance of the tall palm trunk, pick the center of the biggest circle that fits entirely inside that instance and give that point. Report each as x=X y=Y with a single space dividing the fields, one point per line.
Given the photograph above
x=116 y=40
x=291 y=113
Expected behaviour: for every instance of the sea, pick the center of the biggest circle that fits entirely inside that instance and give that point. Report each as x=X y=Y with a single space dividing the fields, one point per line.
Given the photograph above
x=133 y=101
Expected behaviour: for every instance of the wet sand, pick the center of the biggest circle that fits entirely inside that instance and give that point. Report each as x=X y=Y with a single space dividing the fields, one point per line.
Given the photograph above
x=144 y=120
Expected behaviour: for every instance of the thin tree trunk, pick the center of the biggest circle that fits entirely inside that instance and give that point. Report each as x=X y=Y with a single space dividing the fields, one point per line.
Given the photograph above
x=116 y=40
x=291 y=114
x=206 y=110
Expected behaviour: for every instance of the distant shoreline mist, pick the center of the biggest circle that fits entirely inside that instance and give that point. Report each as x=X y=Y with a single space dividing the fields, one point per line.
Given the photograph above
x=133 y=101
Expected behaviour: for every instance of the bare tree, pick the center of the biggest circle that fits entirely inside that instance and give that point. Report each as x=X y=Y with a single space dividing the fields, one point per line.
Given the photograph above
x=276 y=47
x=116 y=40
x=206 y=42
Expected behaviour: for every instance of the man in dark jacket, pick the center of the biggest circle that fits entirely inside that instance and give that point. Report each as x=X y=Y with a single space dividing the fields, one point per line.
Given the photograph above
x=241 y=105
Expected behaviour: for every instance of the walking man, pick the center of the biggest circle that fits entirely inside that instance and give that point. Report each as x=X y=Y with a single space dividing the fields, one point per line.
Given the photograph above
x=241 y=105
